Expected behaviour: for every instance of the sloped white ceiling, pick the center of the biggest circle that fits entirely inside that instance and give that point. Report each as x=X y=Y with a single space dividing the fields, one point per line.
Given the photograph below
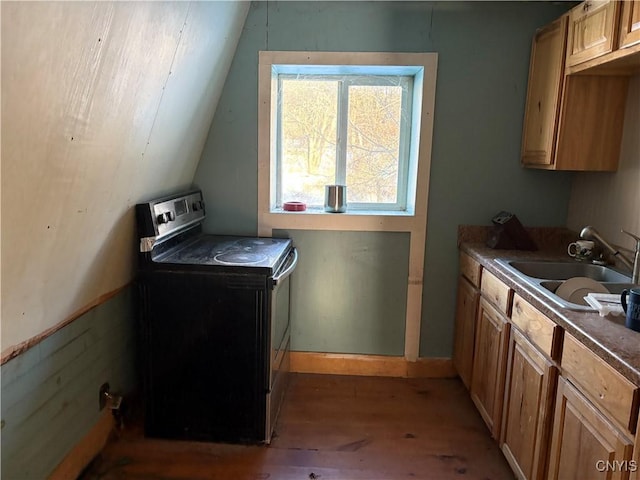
x=104 y=104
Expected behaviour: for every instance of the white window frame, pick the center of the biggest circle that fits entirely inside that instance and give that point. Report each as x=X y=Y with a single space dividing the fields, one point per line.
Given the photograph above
x=352 y=220
x=407 y=77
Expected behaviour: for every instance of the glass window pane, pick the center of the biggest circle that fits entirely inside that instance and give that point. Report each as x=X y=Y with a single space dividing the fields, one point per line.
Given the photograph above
x=373 y=143
x=309 y=111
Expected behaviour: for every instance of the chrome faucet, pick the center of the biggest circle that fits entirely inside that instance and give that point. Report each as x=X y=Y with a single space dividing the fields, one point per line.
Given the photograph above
x=590 y=233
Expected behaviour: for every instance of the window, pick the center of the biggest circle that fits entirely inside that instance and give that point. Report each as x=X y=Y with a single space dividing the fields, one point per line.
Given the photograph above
x=360 y=74
x=349 y=129
x=354 y=125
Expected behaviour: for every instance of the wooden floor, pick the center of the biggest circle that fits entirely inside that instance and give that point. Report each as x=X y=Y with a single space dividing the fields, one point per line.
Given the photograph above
x=330 y=428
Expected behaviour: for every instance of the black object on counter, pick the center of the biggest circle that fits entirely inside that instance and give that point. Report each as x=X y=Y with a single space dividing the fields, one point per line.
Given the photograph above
x=508 y=233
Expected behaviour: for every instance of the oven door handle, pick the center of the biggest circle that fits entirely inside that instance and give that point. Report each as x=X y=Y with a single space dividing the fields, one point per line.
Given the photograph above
x=287 y=271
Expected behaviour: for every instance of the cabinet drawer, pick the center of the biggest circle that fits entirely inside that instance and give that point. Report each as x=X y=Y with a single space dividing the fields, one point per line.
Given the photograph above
x=537 y=327
x=605 y=387
x=496 y=292
x=470 y=269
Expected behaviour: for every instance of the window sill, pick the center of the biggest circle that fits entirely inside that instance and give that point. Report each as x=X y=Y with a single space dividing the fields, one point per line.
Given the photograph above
x=351 y=220
x=319 y=211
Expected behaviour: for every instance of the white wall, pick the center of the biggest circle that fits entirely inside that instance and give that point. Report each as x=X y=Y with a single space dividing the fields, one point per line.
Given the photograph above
x=104 y=104
x=611 y=201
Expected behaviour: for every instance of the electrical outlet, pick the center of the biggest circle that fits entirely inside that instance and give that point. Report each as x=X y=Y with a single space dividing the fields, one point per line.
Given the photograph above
x=104 y=390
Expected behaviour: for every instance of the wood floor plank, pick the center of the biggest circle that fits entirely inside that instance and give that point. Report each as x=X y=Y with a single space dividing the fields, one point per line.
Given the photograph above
x=331 y=428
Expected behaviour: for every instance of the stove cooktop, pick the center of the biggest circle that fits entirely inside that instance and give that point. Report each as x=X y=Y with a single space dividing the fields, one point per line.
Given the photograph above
x=220 y=250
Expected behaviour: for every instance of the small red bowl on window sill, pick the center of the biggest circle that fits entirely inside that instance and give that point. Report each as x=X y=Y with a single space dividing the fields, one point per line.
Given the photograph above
x=294 y=206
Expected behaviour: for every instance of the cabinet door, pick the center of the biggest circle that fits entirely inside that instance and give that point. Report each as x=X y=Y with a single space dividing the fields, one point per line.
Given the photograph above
x=529 y=390
x=466 y=309
x=592 y=28
x=546 y=74
x=487 y=381
x=635 y=463
x=585 y=444
x=630 y=23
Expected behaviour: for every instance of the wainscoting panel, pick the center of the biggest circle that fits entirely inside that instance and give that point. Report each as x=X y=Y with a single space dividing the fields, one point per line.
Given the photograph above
x=50 y=393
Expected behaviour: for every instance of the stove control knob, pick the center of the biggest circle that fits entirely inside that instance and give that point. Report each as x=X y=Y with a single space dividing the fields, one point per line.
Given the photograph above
x=199 y=205
x=165 y=217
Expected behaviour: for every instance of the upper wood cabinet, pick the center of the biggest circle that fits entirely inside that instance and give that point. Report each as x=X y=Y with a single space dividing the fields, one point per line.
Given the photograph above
x=604 y=38
x=571 y=122
x=630 y=24
x=592 y=30
x=546 y=75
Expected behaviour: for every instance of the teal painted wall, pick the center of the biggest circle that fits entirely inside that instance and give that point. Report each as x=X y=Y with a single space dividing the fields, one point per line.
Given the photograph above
x=338 y=311
x=50 y=392
x=483 y=63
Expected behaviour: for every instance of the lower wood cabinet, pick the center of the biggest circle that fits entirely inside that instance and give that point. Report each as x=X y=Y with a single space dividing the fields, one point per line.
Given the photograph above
x=529 y=396
x=487 y=381
x=635 y=463
x=465 y=329
x=606 y=388
x=585 y=444
x=558 y=411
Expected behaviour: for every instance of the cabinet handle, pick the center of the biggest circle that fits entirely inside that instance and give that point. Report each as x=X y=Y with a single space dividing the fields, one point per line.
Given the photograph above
x=586 y=6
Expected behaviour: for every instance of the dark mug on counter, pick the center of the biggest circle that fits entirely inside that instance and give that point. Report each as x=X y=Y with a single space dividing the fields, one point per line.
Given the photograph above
x=631 y=308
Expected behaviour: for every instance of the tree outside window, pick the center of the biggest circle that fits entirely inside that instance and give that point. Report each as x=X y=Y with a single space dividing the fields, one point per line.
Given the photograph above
x=350 y=129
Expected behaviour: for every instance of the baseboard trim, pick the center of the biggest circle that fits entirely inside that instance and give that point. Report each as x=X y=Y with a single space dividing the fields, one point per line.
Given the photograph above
x=371 y=365
x=86 y=450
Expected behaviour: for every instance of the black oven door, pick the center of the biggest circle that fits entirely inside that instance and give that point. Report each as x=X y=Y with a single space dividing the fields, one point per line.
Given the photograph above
x=203 y=369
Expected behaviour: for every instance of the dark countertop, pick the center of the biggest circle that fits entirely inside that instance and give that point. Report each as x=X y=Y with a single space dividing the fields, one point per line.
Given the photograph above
x=606 y=336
